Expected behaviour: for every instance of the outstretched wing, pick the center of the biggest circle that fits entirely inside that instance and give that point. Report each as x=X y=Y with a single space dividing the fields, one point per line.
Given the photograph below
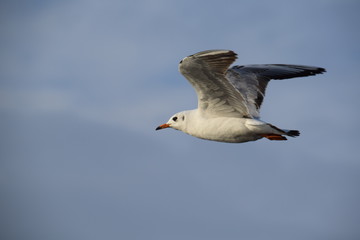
x=216 y=95
x=251 y=80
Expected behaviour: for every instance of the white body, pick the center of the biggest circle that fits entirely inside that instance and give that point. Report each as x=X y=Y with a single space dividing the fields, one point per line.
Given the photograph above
x=222 y=129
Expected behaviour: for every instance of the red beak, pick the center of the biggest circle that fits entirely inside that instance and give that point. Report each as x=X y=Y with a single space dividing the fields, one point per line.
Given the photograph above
x=163 y=126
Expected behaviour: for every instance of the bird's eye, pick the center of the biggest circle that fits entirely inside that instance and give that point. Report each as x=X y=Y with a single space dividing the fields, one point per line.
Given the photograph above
x=174 y=119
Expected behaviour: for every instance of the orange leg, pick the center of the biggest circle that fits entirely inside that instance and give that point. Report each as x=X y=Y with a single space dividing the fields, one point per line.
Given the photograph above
x=274 y=137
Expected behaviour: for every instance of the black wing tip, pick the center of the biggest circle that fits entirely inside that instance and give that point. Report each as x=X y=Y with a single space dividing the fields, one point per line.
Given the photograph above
x=305 y=71
x=311 y=70
x=318 y=70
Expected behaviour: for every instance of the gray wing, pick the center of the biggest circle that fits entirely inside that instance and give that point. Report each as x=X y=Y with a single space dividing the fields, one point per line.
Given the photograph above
x=216 y=95
x=251 y=80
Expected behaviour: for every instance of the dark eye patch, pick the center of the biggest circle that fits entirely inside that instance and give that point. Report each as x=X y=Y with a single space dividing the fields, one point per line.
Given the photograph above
x=174 y=119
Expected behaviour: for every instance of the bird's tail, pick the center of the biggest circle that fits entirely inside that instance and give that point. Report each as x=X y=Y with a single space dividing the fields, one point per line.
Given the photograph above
x=292 y=133
x=280 y=134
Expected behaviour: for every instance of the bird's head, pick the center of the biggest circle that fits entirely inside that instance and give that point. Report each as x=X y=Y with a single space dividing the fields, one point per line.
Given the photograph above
x=177 y=121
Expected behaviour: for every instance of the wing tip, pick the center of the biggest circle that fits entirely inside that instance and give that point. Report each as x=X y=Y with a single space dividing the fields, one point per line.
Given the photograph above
x=216 y=53
x=282 y=71
x=216 y=60
x=316 y=70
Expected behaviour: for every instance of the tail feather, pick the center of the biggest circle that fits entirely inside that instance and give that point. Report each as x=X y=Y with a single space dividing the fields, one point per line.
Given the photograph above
x=280 y=133
x=292 y=133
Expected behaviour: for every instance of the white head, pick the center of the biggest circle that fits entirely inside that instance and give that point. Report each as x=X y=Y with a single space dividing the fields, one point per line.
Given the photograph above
x=177 y=121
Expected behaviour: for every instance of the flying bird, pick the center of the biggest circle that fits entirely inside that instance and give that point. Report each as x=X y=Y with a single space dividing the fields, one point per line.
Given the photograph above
x=229 y=99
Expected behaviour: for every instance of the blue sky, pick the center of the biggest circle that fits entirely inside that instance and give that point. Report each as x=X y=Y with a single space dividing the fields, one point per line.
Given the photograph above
x=83 y=84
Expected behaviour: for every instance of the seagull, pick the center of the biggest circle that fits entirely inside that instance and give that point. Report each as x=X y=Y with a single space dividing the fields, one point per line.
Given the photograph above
x=229 y=99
